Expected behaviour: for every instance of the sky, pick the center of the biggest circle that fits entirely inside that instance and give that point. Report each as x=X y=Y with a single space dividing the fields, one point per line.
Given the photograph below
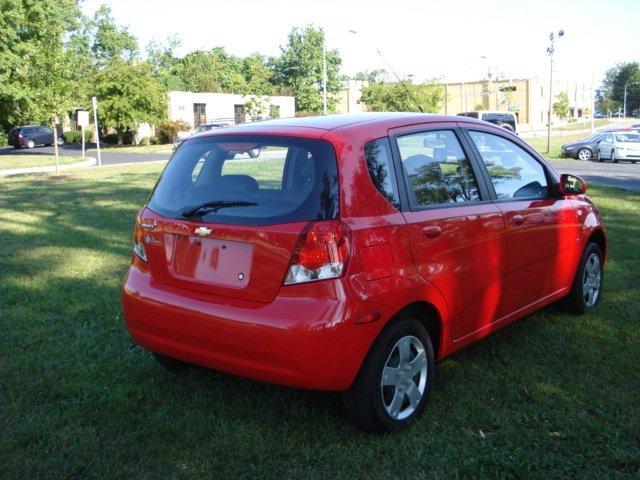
x=427 y=39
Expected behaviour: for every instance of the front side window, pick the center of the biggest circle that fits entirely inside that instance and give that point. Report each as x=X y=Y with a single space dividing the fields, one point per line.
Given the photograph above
x=249 y=180
x=437 y=169
x=627 y=138
x=379 y=164
x=514 y=172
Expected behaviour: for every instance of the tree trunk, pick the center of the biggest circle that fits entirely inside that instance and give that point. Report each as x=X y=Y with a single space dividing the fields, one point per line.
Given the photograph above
x=120 y=133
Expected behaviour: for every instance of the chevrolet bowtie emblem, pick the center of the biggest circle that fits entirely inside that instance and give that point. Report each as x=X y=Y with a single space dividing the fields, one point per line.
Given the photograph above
x=203 y=231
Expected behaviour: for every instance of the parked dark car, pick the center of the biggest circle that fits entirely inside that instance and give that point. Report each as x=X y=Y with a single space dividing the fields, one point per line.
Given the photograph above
x=30 y=136
x=586 y=149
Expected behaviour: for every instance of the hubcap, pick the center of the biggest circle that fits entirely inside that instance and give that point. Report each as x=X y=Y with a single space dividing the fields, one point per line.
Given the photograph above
x=584 y=154
x=404 y=378
x=591 y=280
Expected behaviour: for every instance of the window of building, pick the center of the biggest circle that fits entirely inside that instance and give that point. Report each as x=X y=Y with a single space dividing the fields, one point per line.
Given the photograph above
x=514 y=172
x=379 y=164
x=239 y=113
x=199 y=114
x=437 y=169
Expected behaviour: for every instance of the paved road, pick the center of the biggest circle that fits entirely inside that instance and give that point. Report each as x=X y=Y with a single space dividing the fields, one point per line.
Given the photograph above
x=621 y=175
x=110 y=156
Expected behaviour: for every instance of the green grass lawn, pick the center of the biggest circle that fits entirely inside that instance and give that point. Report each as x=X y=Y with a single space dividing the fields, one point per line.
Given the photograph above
x=552 y=396
x=24 y=161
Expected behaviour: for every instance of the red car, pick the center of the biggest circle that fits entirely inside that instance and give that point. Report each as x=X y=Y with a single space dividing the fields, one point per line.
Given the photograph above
x=354 y=252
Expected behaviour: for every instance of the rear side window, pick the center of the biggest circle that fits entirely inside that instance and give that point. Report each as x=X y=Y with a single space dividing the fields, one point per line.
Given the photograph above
x=379 y=163
x=249 y=180
x=514 y=172
x=437 y=169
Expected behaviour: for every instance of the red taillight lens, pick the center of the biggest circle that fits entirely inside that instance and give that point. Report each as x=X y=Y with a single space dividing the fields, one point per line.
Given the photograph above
x=138 y=240
x=322 y=252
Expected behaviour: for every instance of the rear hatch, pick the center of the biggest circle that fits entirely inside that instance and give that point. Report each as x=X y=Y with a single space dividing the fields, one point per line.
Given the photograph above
x=227 y=212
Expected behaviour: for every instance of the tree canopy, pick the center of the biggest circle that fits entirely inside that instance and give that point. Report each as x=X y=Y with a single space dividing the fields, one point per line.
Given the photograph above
x=610 y=96
x=402 y=96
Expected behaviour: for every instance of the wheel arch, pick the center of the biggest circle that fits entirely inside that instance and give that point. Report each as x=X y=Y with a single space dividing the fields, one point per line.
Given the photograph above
x=427 y=314
x=599 y=238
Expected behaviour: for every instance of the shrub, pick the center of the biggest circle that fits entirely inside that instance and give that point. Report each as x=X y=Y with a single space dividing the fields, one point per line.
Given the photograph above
x=153 y=140
x=75 y=136
x=112 y=138
x=3 y=139
x=167 y=131
x=144 y=141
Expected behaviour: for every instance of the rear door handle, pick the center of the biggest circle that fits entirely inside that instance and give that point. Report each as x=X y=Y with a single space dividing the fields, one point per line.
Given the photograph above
x=517 y=220
x=431 y=232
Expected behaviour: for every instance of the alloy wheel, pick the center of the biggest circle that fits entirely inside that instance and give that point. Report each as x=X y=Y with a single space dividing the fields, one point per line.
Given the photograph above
x=404 y=378
x=584 y=154
x=591 y=280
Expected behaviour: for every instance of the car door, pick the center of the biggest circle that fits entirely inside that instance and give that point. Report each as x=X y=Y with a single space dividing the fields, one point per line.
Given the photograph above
x=541 y=228
x=456 y=233
x=606 y=146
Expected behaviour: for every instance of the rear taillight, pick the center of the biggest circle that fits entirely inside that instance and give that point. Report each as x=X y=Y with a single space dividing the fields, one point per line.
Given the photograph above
x=138 y=240
x=322 y=252
x=20 y=138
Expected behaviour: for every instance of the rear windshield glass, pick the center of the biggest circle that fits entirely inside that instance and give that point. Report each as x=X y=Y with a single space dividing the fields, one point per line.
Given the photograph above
x=249 y=180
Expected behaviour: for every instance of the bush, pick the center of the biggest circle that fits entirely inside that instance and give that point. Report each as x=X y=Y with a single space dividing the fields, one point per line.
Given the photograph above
x=112 y=138
x=167 y=131
x=3 y=139
x=153 y=140
x=144 y=141
x=75 y=136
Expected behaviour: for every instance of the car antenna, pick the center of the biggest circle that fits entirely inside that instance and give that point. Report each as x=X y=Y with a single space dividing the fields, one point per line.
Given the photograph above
x=415 y=100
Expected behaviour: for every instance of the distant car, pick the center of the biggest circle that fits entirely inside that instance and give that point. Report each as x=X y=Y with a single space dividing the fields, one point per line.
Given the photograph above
x=586 y=149
x=506 y=120
x=30 y=136
x=616 y=146
x=205 y=127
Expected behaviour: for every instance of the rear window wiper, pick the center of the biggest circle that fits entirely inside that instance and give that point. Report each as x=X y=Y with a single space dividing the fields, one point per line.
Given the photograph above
x=214 y=206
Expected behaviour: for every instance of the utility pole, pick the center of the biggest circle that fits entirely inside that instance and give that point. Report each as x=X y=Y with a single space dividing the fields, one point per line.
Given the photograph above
x=324 y=69
x=550 y=51
x=94 y=103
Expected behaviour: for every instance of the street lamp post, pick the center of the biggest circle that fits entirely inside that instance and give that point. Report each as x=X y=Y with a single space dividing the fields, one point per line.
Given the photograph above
x=550 y=51
x=624 y=103
x=464 y=87
x=324 y=69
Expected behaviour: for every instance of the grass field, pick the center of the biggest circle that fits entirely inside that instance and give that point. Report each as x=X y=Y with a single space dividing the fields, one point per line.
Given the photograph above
x=540 y=144
x=139 y=148
x=552 y=396
x=24 y=161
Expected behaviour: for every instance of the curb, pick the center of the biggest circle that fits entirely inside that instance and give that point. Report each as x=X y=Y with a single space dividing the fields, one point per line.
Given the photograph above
x=89 y=162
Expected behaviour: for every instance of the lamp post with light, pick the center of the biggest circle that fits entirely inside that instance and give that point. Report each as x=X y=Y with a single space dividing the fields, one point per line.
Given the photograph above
x=550 y=50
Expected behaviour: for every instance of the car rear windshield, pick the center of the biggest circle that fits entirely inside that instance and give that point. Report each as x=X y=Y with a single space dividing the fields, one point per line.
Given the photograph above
x=249 y=180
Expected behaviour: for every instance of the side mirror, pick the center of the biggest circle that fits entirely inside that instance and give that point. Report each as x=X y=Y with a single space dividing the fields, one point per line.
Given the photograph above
x=572 y=185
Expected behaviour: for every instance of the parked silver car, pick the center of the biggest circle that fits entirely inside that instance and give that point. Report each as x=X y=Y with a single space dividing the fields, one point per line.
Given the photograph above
x=616 y=146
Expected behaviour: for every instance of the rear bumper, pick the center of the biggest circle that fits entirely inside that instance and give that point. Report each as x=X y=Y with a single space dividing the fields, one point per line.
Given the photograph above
x=305 y=338
x=633 y=155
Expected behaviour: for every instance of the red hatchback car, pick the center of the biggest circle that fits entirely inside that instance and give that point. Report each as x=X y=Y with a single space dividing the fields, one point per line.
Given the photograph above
x=354 y=251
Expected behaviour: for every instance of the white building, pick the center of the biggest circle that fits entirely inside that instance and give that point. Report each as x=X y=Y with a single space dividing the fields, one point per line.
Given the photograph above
x=198 y=108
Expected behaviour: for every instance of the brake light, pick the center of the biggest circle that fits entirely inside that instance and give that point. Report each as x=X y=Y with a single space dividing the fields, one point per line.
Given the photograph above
x=322 y=252
x=138 y=240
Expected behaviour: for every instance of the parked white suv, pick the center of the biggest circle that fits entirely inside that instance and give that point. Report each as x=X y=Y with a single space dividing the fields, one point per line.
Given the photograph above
x=507 y=120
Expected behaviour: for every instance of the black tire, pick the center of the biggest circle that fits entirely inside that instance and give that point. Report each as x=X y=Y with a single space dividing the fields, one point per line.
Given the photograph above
x=575 y=301
x=170 y=364
x=364 y=402
x=600 y=159
x=613 y=158
x=254 y=153
x=587 y=154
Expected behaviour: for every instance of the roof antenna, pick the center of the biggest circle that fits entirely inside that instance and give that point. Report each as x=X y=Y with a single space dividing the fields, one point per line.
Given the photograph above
x=401 y=82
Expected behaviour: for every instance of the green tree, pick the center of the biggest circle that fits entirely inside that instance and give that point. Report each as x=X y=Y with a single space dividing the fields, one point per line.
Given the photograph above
x=561 y=107
x=258 y=73
x=299 y=68
x=37 y=69
x=611 y=94
x=212 y=71
x=164 y=63
x=402 y=97
x=111 y=42
x=129 y=95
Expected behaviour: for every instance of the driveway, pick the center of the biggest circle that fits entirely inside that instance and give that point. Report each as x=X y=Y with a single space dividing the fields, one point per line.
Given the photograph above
x=110 y=156
x=621 y=175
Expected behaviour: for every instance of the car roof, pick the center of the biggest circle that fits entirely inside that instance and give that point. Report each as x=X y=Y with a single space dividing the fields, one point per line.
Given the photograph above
x=337 y=121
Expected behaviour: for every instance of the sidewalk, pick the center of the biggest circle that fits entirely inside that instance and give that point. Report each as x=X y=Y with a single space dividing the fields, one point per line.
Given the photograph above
x=90 y=162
